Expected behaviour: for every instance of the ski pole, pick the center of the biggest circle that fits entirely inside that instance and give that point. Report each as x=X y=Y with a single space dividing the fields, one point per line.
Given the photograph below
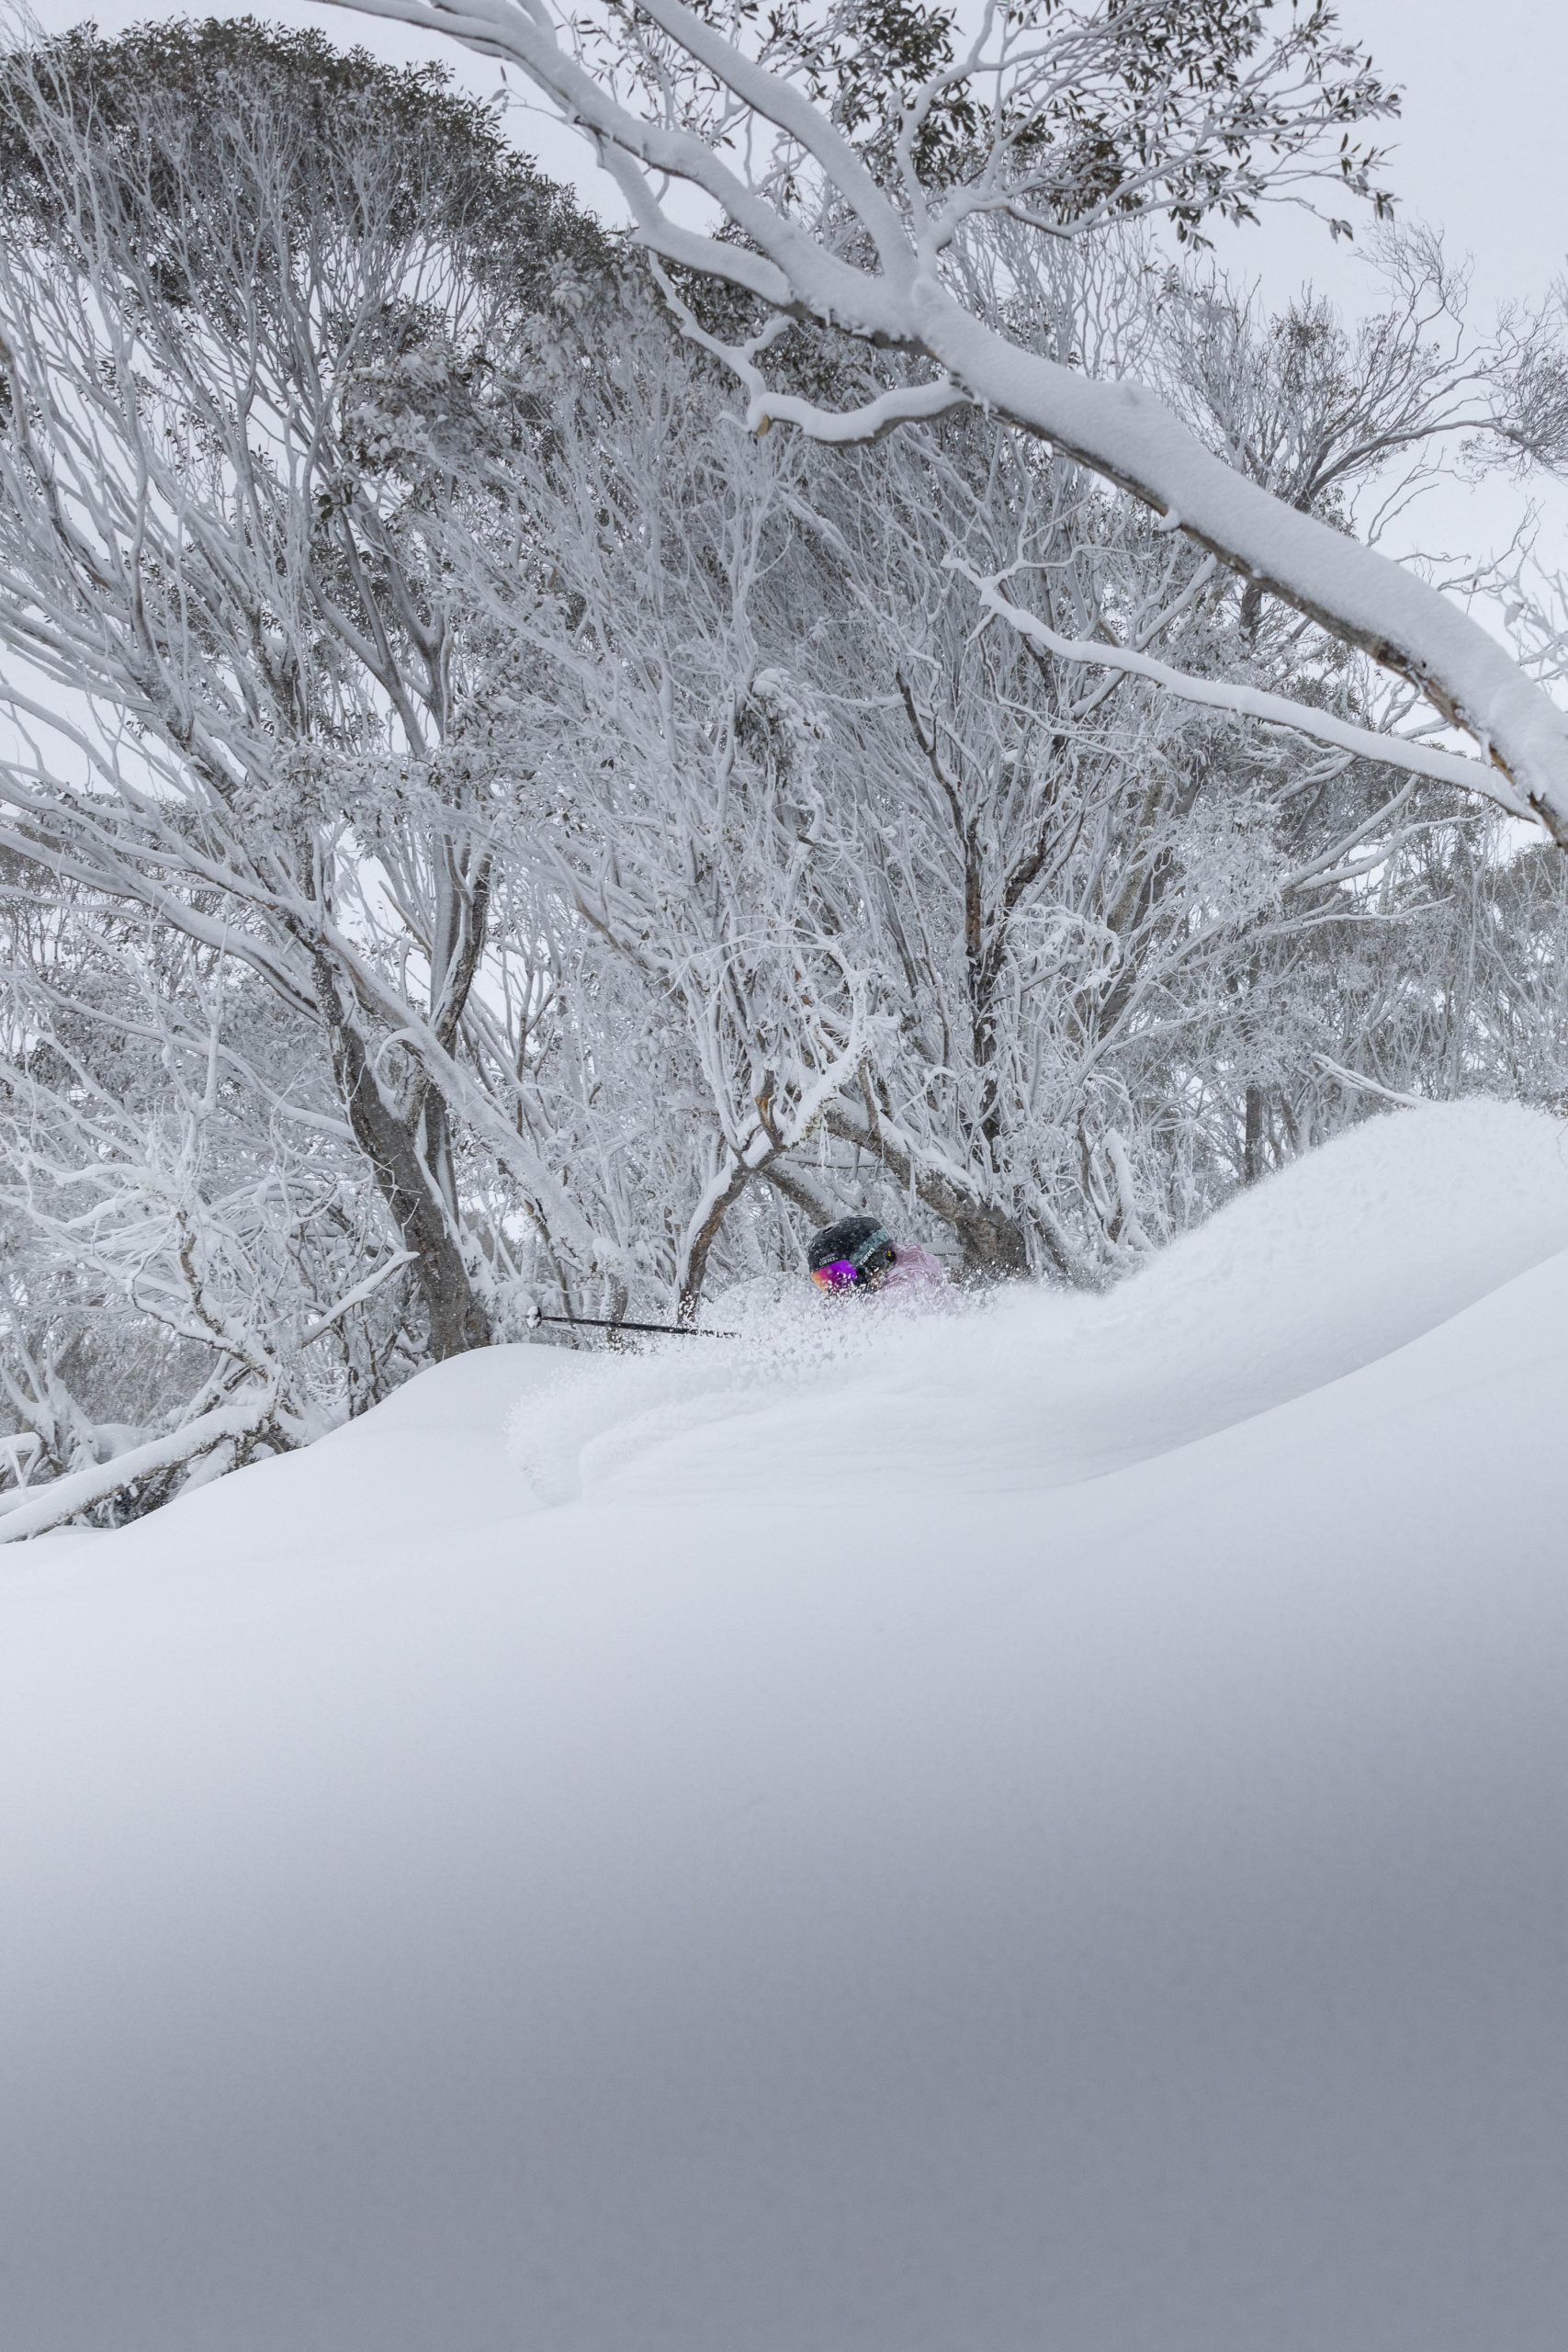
x=604 y=1323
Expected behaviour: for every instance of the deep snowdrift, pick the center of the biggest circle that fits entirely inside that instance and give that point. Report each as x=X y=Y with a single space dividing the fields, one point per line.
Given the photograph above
x=1349 y=1254
x=863 y=1878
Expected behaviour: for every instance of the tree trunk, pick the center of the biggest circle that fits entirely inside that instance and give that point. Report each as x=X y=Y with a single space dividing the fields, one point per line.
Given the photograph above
x=1253 y=1164
x=700 y=1243
x=455 y=1316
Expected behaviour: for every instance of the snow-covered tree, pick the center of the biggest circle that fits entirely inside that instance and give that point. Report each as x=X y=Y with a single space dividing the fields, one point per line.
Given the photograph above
x=483 y=831
x=858 y=161
x=235 y=698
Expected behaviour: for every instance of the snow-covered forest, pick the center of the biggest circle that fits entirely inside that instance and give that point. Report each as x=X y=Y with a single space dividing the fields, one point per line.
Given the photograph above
x=527 y=787
x=783 y=1183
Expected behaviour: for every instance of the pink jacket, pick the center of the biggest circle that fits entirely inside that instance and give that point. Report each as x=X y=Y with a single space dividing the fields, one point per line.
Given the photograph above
x=913 y=1271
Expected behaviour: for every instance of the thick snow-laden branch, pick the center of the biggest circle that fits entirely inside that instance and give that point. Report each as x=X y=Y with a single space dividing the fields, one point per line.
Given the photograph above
x=917 y=404
x=1250 y=702
x=36 y=1509
x=1120 y=430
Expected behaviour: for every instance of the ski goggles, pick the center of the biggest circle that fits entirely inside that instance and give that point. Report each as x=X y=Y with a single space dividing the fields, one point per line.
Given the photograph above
x=842 y=1273
x=839 y=1273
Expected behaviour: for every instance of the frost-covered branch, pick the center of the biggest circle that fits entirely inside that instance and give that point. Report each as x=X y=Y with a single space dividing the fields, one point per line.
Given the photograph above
x=1279 y=107
x=1250 y=702
x=38 y=1508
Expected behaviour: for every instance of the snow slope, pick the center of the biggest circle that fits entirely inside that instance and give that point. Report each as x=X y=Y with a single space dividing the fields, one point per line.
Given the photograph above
x=1342 y=1257
x=1092 y=1880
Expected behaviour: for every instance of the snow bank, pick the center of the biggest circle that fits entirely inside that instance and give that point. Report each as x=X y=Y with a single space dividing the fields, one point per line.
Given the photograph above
x=1348 y=1253
x=1368 y=1242
x=1122 y=1911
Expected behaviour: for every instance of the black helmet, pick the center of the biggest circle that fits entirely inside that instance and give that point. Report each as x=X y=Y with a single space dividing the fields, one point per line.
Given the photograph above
x=854 y=1250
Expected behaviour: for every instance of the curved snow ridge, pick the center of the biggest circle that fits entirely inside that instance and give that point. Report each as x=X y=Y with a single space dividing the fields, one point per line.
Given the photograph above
x=1353 y=1251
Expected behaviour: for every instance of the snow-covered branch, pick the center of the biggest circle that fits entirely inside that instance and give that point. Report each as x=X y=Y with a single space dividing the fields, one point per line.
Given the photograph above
x=1251 y=702
x=903 y=295
x=36 y=1509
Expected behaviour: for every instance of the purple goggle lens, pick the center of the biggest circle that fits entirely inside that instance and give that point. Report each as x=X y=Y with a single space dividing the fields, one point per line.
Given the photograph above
x=840 y=1275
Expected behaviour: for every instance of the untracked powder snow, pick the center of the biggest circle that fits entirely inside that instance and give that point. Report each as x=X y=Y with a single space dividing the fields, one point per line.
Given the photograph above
x=1039 y=1828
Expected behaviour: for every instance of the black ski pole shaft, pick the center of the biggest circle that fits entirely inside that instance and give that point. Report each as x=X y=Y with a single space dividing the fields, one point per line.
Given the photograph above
x=672 y=1330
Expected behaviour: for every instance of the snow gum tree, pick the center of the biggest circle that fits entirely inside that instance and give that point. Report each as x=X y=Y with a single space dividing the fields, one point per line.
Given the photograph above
x=927 y=903
x=179 y=1205
x=226 y=252
x=857 y=161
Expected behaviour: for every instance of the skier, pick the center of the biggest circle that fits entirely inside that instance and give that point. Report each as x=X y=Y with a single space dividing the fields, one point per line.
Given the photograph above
x=856 y=1253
